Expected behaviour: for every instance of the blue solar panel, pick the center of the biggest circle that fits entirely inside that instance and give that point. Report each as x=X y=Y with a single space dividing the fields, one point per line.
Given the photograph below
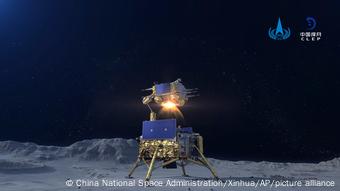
x=159 y=129
x=162 y=88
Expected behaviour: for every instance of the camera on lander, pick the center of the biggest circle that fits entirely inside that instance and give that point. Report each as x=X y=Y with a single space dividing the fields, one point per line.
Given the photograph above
x=162 y=140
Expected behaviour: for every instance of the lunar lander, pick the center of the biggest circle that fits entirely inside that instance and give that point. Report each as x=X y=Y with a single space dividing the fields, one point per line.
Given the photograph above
x=162 y=140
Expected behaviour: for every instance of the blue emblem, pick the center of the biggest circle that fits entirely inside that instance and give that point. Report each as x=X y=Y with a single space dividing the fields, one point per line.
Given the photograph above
x=279 y=33
x=311 y=23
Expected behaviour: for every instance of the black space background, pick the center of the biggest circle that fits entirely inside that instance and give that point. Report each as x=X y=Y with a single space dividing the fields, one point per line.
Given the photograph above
x=72 y=70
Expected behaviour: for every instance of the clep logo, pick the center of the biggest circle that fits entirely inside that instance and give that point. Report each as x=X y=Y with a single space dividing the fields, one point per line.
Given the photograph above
x=311 y=23
x=279 y=33
x=310 y=35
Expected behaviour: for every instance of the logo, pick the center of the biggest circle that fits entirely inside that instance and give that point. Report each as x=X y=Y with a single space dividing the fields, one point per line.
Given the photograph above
x=279 y=33
x=310 y=35
x=311 y=23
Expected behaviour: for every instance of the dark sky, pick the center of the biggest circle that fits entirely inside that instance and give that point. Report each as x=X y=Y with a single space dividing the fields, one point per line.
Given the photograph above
x=71 y=70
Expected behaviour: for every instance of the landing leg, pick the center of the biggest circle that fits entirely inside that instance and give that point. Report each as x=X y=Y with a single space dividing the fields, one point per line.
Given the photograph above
x=206 y=163
x=135 y=165
x=183 y=169
x=148 y=174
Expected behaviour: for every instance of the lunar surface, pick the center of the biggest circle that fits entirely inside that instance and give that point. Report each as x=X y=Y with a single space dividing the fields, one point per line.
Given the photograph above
x=103 y=164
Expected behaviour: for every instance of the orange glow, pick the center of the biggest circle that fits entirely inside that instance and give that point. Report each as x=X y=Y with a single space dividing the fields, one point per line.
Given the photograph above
x=169 y=105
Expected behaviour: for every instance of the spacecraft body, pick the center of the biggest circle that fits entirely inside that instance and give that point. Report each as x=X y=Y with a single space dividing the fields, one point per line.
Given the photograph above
x=174 y=92
x=163 y=140
x=173 y=142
